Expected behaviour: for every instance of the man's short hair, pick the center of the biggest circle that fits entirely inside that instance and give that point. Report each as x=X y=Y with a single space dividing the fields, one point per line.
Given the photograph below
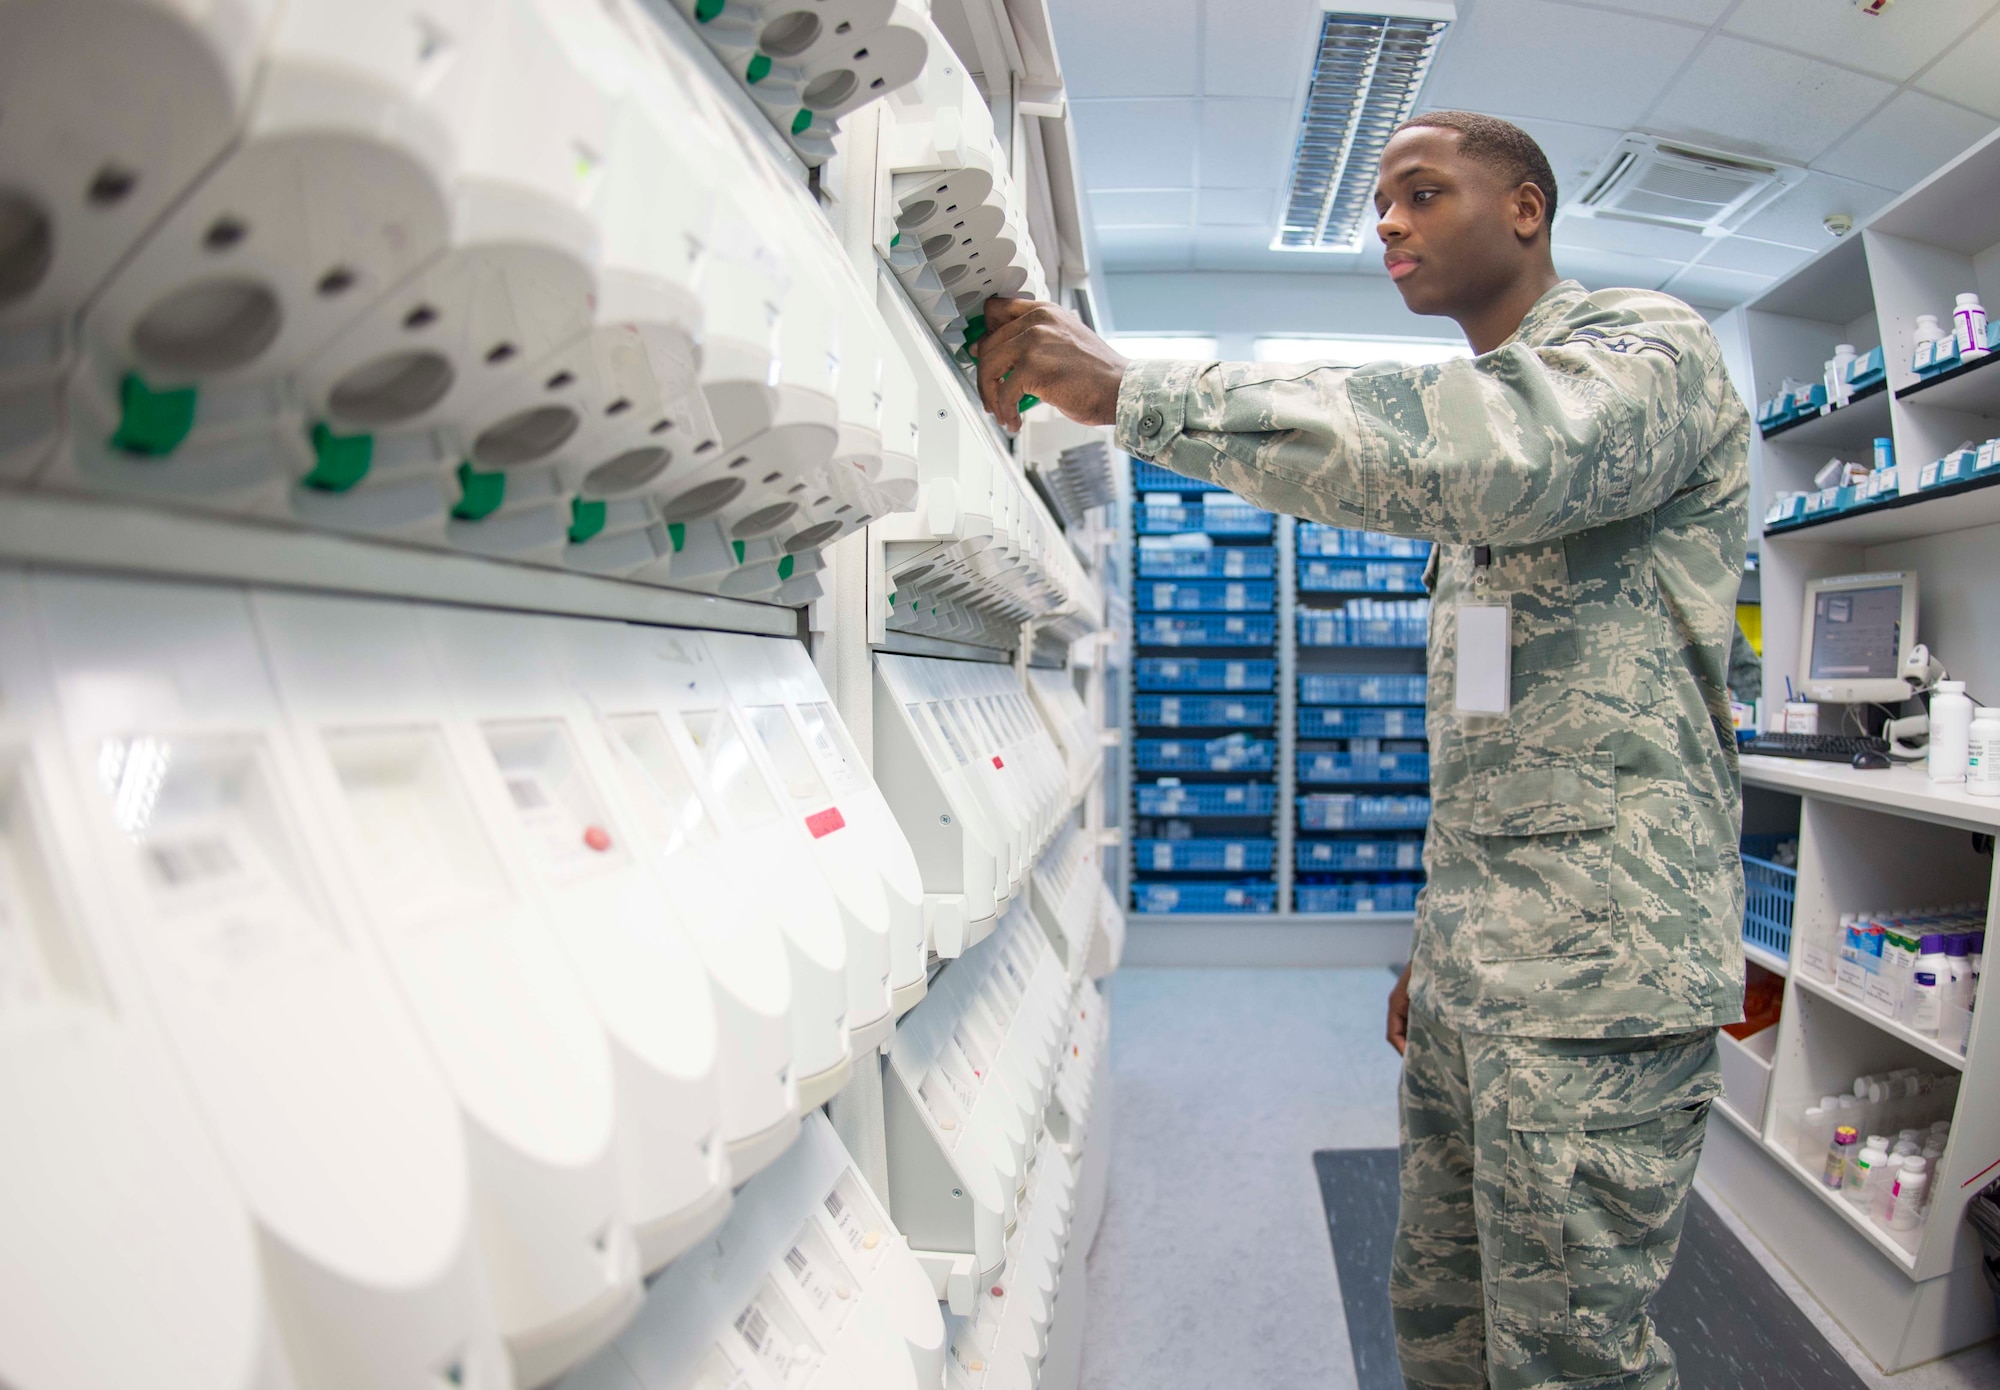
x=1499 y=145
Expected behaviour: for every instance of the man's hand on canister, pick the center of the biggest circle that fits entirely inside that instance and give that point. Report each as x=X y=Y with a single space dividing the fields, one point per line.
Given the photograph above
x=1032 y=348
x=1399 y=1012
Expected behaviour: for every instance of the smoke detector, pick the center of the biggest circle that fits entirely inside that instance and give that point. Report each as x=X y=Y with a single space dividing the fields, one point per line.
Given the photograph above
x=1838 y=224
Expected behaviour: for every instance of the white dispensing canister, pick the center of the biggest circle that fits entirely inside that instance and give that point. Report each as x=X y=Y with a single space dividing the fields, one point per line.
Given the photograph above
x=1951 y=727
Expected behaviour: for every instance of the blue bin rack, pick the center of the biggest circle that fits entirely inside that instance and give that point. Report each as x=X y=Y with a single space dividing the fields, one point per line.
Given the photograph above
x=1206 y=799
x=1338 y=629
x=1404 y=853
x=1349 y=811
x=1203 y=712
x=1248 y=896
x=1204 y=673
x=1206 y=630
x=1233 y=754
x=1769 y=892
x=1355 y=576
x=1205 y=595
x=1207 y=562
x=1356 y=896
x=1373 y=768
x=1341 y=541
x=1319 y=688
x=1150 y=477
x=1316 y=721
x=1203 y=856
x=1212 y=519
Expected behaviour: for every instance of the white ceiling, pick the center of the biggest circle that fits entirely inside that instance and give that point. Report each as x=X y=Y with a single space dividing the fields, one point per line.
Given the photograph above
x=1185 y=109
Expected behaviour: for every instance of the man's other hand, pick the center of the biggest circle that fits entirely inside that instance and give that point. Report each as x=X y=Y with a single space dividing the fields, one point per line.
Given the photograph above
x=1032 y=348
x=1399 y=1012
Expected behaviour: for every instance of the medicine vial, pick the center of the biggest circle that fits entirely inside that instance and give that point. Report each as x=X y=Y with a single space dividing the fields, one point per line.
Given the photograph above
x=1951 y=727
x=1968 y=326
x=1906 y=1198
x=1982 y=753
x=1838 y=1155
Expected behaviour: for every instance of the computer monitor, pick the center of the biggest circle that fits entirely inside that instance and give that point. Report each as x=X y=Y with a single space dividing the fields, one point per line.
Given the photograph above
x=1859 y=629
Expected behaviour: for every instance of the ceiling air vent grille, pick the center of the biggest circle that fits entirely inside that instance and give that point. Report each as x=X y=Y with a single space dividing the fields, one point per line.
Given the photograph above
x=1649 y=180
x=1365 y=78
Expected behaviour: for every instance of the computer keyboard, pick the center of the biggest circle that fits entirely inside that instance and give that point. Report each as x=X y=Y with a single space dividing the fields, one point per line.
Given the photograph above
x=1825 y=748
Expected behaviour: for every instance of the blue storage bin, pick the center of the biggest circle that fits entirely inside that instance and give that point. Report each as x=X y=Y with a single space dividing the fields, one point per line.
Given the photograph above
x=1347 y=811
x=1355 y=576
x=1358 y=856
x=1213 y=519
x=1233 y=754
x=1204 y=673
x=1315 y=539
x=1203 y=712
x=1362 y=896
x=1207 y=562
x=1206 y=630
x=1364 y=767
x=1376 y=722
x=1318 y=688
x=1338 y=629
x=1206 y=799
x=1768 y=893
x=1251 y=896
x=1150 y=477
x=1205 y=595
x=1202 y=856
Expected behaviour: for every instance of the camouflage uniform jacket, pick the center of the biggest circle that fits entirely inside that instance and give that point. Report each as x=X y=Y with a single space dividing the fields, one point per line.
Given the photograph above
x=1583 y=871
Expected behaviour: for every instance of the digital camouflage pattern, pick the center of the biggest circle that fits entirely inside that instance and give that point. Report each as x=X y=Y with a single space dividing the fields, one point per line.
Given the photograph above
x=1545 y=1183
x=1584 y=877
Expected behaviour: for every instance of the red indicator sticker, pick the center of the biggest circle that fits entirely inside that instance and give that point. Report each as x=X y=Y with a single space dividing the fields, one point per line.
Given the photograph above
x=597 y=838
x=997 y=762
x=825 y=822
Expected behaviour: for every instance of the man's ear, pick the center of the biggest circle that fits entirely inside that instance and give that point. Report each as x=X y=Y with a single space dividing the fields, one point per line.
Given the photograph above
x=1531 y=211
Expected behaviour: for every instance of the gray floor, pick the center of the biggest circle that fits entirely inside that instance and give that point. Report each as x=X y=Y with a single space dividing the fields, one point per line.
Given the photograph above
x=1212 y=1267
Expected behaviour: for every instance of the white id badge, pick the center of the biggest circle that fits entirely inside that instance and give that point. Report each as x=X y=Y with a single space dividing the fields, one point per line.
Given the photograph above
x=1483 y=684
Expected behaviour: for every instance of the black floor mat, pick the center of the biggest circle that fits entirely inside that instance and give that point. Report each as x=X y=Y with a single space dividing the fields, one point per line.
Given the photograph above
x=1731 y=1326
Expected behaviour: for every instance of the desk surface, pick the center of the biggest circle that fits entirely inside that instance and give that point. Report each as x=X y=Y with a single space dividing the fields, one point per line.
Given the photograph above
x=1900 y=790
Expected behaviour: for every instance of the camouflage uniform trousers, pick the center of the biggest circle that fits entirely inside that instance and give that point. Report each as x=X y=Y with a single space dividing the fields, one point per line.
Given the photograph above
x=1544 y=1184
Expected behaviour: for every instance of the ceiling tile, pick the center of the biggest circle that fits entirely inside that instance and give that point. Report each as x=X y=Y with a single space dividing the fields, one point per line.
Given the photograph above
x=1535 y=58
x=1238 y=207
x=1604 y=269
x=1154 y=208
x=1892 y=45
x=1246 y=144
x=1702 y=12
x=1258 y=50
x=1966 y=73
x=1746 y=97
x=1629 y=238
x=1756 y=257
x=1249 y=248
x=1905 y=140
x=1128 y=48
x=1798 y=218
x=1711 y=288
x=1136 y=144
x=1145 y=248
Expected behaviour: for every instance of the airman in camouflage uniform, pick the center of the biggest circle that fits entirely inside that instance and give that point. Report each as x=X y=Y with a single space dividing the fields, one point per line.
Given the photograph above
x=1578 y=941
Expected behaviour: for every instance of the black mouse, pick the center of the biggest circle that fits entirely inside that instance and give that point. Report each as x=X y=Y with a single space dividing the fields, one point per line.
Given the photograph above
x=1868 y=760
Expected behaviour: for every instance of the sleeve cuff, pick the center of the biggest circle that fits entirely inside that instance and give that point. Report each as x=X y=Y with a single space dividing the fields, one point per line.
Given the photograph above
x=1152 y=405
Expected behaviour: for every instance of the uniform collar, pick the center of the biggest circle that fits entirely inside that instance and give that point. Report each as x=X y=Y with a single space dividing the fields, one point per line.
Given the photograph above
x=1538 y=323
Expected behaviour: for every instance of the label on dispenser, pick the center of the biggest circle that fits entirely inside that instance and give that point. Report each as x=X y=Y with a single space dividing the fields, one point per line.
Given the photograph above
x=826 y=1284
x=824 y=823
x=777 y=1339
x=718 y=1371
x=854 y=1218
x=553 y=798
x=830 y=746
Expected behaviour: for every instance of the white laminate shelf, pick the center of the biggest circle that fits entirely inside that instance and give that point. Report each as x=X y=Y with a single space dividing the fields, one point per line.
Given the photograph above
x=1902 y=791
x=1923 y=1042
x=1770 y=960
x=1728 y=1112
x=1905 y=1259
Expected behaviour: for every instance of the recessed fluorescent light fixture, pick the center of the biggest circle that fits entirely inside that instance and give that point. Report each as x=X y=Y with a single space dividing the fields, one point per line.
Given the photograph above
x=1366 y=73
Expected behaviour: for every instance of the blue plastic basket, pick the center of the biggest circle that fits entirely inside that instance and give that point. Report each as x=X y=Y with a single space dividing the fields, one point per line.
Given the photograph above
x=1205 y=595
x=1315 y=539
x=1359 y=856
x=1321 y=689
x=1361 y=896
x=1318 y=722
x=1150 y=477
x=1768 y=893
x=1322 y=629
x=1204 y=673
x=1214 y=519
x=1233 y=754
x=1364 y=767
x=1205 y=630
x=1203 y=711
x=1347 y=811
x=1207 y=562
x=1250 y=896
x=1353 y=576
x=1206 y=799
x=1203 y=856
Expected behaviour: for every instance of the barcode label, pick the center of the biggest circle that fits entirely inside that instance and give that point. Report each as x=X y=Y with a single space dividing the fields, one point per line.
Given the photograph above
x=194 y=861
x=754 y=1327
x=834 y=1206
x=527 y=793
x=795 y=1260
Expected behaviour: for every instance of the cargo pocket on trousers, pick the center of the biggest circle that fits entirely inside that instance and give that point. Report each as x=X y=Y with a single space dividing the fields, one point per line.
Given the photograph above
x=1545 y=824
